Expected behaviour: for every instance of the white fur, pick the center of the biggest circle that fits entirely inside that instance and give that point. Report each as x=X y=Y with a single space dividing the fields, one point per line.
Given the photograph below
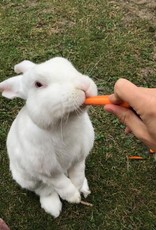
x=52 y=135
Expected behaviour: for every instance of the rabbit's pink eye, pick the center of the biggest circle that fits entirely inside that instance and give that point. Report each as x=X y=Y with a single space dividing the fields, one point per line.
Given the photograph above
x=38 y=84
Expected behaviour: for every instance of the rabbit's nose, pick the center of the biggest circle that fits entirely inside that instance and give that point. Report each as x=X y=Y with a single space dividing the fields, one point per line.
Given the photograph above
x=88 y=86
x=84 y=84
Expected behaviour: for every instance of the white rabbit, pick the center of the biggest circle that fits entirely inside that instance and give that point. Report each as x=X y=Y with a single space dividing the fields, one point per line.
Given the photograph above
x=52 y=135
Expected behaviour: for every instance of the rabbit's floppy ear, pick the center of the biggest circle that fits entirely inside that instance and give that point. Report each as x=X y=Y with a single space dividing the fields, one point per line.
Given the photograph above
x=23 y=66
x=12 y=87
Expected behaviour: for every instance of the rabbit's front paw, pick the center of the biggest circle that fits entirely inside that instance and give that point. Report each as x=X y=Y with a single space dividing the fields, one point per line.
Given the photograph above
x=74 y=198
x=70 y=193
x=85 y=188
x=51 y=204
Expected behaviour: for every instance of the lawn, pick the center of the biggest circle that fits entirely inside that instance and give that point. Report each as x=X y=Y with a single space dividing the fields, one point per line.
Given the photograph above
x=106 y=40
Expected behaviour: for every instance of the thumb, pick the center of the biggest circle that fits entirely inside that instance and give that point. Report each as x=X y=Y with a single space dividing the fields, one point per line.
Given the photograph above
x=128 y=118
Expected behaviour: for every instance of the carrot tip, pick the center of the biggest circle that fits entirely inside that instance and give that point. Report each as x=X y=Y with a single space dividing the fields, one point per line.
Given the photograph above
x=151 y=151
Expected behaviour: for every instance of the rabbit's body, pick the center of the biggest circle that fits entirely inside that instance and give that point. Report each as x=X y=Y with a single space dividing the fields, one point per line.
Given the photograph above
x=50 y=151
x=52 y=135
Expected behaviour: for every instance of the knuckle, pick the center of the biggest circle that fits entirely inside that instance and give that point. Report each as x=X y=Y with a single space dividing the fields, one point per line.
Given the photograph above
x=141 y=135
x=148 y=109
x=125 y=117
x=144 y=136
x=151 y=114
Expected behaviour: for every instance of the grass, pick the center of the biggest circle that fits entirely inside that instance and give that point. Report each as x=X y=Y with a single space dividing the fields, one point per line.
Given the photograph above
x=106 y=40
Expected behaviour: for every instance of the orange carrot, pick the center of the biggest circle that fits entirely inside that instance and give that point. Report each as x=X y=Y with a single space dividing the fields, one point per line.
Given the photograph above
x=102 y=100
x=135 y=158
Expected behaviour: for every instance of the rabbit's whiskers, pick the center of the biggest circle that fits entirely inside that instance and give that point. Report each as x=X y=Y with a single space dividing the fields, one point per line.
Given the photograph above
x=67 y=118
x=78 y=110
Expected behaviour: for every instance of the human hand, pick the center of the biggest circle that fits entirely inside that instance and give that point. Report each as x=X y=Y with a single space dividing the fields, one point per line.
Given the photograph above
x=141 y=118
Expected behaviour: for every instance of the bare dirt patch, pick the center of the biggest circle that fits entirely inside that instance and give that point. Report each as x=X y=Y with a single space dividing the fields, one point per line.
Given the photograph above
x=144 y=9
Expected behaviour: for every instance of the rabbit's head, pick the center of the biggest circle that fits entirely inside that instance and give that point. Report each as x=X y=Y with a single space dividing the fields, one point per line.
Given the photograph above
x=51 y=89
